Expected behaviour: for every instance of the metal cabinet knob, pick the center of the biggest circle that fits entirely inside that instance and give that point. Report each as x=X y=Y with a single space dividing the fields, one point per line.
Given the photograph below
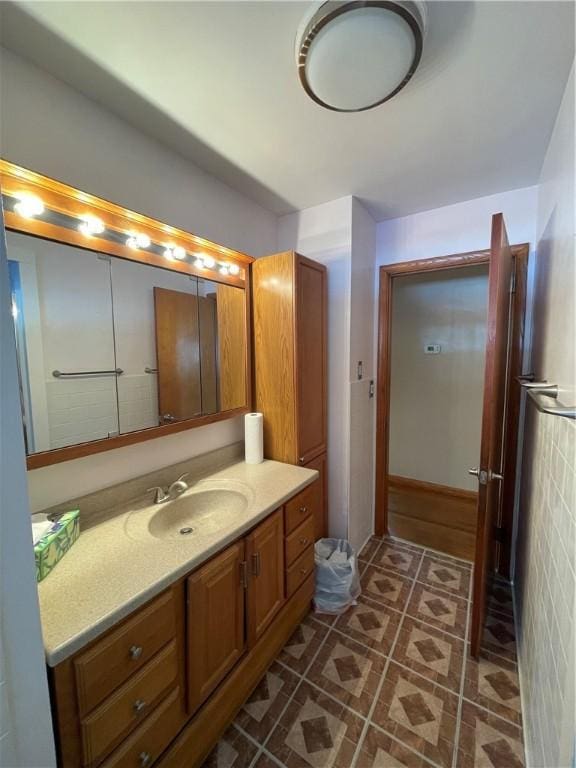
x=303 y=510
x=135 y=652
x=301 y=460
x=144 y=758
x=139 y=705
x=303 y=571
x=304 y=541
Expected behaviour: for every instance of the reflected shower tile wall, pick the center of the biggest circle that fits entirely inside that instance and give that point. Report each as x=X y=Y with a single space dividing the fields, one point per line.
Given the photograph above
x=138 y=401
x=80 y=410
x=545 y=588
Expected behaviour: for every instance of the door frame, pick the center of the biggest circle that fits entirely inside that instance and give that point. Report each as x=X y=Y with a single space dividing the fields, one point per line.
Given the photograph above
x=387 y=273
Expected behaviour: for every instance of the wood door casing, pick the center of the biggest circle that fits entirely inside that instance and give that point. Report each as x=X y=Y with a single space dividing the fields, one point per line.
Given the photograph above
x=311 y=358
x=493 y=433
x=265 y=558
x=215 y=622
x=178 y=355
x=208 y=354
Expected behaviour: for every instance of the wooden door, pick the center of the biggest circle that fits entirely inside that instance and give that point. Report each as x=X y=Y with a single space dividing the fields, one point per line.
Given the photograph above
x=311 y=357
x=265 y=557
x=493 y=437
x=178 y=355
x=215 y=622
x=231 y=314
x=321 y=511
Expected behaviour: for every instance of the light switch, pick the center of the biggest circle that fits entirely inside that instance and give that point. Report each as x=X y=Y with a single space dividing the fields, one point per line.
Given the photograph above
x=432 y=349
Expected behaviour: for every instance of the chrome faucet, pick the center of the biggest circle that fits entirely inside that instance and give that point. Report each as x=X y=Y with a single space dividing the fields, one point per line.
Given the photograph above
x=177 y=488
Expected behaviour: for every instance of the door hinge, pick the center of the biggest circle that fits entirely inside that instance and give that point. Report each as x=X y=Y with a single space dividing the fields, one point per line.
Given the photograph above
x=371 y=389
x=513 y=282
x=244 y=574
x=104 y=257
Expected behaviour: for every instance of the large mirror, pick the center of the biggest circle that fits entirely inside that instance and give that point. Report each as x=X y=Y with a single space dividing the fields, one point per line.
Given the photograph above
x=109 y=346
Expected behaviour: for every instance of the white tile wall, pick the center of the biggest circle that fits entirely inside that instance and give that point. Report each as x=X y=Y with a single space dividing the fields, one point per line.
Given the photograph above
x=546 y=588
x=138 y=401
x=81 y=409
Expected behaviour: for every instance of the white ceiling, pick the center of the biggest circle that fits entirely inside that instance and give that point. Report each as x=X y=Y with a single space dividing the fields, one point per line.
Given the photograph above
x=217 y=82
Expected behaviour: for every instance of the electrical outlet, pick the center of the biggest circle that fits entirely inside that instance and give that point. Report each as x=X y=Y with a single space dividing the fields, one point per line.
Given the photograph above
x=432 y=349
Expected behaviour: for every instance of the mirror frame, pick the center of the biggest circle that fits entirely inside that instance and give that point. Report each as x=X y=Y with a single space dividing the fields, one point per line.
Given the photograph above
x=63 y=199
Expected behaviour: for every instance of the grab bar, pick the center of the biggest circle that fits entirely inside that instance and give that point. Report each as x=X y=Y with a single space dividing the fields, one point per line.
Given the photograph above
x=77 y=374
x=150 y=370
x=538 y=389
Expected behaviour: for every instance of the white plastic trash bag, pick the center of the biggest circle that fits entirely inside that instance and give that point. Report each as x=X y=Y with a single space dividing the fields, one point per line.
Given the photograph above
x=337 y=582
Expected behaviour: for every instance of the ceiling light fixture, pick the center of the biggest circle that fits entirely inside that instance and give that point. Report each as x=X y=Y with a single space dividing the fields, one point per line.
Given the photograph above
x=29 y=205
x=91 y=225
x=137 y=240
x=353 y=55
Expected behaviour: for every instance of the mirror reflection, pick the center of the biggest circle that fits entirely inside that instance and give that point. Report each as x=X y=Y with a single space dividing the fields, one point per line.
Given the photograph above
x=108 y=346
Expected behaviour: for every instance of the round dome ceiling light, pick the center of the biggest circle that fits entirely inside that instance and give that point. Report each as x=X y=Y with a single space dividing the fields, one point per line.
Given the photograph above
x=353 y=55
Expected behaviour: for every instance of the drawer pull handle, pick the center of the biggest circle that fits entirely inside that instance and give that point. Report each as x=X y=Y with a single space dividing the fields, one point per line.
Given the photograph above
x=139 y=705
x=256 y=564
x=301 y=459
x=144 y=758
x=303 y=510
x=135 y=652
x=304 y=541
x=303 y=571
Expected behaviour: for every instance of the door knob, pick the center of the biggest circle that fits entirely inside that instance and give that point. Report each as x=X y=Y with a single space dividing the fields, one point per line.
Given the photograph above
x=474 y=471
x=494 y=475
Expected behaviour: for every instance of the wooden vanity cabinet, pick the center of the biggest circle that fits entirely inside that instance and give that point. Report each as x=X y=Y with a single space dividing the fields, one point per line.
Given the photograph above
x=289 y=300
x=161 y=687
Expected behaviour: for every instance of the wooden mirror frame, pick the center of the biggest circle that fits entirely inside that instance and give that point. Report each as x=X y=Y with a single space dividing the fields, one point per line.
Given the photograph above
x=63 y=199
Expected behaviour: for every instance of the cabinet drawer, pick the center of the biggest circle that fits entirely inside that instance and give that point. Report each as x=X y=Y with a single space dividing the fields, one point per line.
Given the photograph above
x=299 y=571
x=306 y=503
x=146 y=744
x=123 y=711
x=111 y=661
x=299 y=540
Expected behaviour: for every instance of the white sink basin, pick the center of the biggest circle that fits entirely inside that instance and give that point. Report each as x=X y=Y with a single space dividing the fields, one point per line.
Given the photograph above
x=199 y=512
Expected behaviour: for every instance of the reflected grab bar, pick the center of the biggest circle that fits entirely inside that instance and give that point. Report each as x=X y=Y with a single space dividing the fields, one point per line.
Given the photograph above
x=150 y=370
x=76 y=374
x=539 y=389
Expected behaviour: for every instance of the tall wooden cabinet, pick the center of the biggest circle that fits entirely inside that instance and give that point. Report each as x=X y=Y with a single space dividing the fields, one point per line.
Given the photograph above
x=290 y=362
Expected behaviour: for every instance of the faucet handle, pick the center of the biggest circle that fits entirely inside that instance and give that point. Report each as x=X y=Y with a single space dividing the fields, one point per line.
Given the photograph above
x=182 y=477
x=160 y=493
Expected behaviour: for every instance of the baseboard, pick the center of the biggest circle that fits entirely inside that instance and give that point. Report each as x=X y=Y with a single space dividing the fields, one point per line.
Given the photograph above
x=423 y=486
x=523 y=708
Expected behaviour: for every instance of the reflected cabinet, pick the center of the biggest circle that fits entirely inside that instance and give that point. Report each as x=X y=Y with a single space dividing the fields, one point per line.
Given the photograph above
x=120 y=335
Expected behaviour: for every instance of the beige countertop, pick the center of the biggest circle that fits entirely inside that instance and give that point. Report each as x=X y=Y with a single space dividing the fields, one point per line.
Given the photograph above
x=117 y=565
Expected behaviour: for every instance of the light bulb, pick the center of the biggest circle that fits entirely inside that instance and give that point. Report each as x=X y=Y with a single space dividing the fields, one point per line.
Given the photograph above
x=137 y=240
x=198 y=263
x=234 y=269
x=29 y=205
x=91 y=225
x=209 y=262
x=169 y=253
x=178 y=252
x=223 y=269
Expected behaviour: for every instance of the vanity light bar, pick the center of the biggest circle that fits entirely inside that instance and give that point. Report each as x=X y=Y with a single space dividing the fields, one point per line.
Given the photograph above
x=30 y=206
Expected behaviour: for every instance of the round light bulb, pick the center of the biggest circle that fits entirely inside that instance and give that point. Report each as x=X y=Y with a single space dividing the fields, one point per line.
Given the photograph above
x=178 y=252
x=209 y=262
x=143 y=241
x=198 y=263
x=29 y=205
x=223 y=269
x=91 y=225
x=234 y=269
x=169 y=253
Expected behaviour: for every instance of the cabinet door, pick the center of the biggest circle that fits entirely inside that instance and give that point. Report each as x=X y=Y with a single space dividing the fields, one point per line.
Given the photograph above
x=321 y=508
x=265 y=555
x=215 y=621
x=311 y=350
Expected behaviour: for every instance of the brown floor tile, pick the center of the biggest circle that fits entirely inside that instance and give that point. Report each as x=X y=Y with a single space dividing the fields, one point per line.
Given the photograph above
x=264 y=761
x=445 y=575
x=260 y=713
x=386 y=587
x=398 y=558
x=379 y=750
x=369 y=549
x=303 y=644
x=418 y=713
x=492 y=683
x=233 y=750
x=487 y=741
x=403 y=543
x=442 y=610
x=370 y=623
x=315 y=731
x=348 y=671
x=499 y=635
x=430 y=652
x=500 y=598
x=448 y=559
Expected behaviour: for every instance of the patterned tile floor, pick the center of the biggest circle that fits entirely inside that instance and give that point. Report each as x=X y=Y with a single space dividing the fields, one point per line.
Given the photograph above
x=389 y=684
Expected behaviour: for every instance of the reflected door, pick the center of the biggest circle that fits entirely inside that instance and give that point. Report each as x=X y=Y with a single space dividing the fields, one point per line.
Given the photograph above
x=178 y=355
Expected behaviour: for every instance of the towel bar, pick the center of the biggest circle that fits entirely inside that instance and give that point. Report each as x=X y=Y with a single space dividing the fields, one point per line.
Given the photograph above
x=539 y=389
x=62 y=375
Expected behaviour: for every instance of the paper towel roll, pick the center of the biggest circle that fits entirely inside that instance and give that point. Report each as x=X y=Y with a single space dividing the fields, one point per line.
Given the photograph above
x=254 y=438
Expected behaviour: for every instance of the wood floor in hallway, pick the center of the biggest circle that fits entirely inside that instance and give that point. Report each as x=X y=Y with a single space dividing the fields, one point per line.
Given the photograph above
x=433 y=516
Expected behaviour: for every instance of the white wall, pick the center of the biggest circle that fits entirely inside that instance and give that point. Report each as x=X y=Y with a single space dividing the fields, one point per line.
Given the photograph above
x=25 y=725
x=436 y=399
x=48 y=127
x=341 y=235
x=545 y=578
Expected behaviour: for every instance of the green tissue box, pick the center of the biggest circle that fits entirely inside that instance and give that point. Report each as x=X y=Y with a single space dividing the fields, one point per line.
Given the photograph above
x=56 y=542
